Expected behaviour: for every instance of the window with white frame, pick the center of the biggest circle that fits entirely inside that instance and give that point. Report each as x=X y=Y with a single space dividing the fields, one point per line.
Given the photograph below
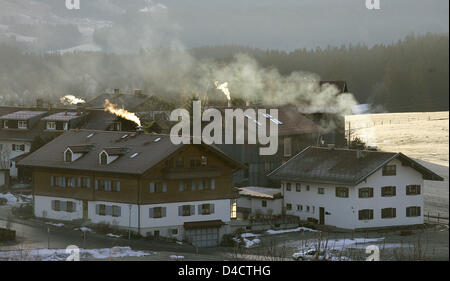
x=51 y=125
x=22 y=124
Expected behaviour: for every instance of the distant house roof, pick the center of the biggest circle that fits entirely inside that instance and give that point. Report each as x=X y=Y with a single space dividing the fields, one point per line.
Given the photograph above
x=127 y=101
x=260 y=192
x=341 y=85
x=22 y=115
x=341 y=166
x=291 y=121
x=143 y=151
x=62 y=116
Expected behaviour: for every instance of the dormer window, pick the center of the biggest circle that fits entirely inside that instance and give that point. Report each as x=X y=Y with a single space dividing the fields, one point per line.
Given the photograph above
x=68 y=155
x=22 y=124
x=103 y=158
x=51 y=125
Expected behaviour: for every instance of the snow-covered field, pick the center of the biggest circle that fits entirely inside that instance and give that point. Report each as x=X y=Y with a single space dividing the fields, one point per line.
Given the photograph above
x=421 y=135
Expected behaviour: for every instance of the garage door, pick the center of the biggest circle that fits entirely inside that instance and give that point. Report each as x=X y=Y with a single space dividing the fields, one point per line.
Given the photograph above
x=203 y=237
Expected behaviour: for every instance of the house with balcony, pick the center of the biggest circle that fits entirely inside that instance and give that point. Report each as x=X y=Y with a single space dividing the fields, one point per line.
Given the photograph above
x=142 y=182
x=354 y=189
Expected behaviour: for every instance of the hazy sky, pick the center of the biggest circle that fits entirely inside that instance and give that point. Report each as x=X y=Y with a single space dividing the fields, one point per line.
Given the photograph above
x=291 y=24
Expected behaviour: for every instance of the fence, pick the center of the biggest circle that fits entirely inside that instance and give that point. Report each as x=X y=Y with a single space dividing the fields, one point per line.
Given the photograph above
x=436 y=218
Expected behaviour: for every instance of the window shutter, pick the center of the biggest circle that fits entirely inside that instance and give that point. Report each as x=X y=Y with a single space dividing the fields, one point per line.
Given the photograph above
x=74 y=207
x=394 y=212
x=97 y=209
x=213 y=184
x=96 y=184
x=117 y=186
x=193 y=186
x=53 y=205
x=200 y=185
x=108 y=210
x=63 y=181
x=52 y=181
x=418 y=211
x=63 y=206
x=79 y=182
x=152 y=187
x=164 y=187
x=180 y=186
x=199 y=209
x=212 y=208
x=74 y=182
x=180 y=210
x=150 y=212
x=192 y=210
x=88 y=182
x=119 y=211
x=163 y=211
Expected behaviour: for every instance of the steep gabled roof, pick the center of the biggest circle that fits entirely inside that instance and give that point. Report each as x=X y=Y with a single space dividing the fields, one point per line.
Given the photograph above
x=151 y=149
x=341 y=166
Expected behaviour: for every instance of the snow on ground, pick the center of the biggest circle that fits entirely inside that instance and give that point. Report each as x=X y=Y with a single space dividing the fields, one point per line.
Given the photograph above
x=62 y=254
x=421 y=135
x=55 y=224
x=175 y=257
x=271 y=232
x=9 y=197
x=15 y=200
x=113 y=235
x=84 y=229
x=248 y=243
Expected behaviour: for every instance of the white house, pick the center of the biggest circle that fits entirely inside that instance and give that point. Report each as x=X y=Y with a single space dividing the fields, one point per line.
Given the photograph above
x=353 y=189
x=255 y=200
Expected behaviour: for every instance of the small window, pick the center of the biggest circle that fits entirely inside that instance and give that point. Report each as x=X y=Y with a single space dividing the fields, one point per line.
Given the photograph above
x=366 y=214
x=288 y=206
x=204 y=160
x=103 y=158
x=157 y=212
x=307 y=188
x=413 y=211
x=195 y=162
x=307 y=209
x=299 y=208
x=206 y=209
x=51 y=125
x=186 y=210
x=180 y=162
x=22 y=124
x=413 y=189
x=101 y=209
x=388 y=191
x=342 y=192
x=388 y=213
x=389 y=170
x=264 y=203
x=366 y=192
x=298 y=187
x=116 y=211
x=68 y=156
x=174 y=231
x=233 y=209
x=320 y=190
x=288 y=186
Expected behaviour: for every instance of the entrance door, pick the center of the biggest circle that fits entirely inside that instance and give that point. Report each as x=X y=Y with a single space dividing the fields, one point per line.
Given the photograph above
x=322 y=215
x=85 y=209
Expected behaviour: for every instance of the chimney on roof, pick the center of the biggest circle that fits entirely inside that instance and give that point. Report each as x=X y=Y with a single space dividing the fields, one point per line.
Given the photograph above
x=80 y=108
x=116 y=91
x=39 y=103
x=138 y=92
x=229 y=104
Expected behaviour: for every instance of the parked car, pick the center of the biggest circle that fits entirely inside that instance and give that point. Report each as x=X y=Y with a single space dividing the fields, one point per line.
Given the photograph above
x=310 y=255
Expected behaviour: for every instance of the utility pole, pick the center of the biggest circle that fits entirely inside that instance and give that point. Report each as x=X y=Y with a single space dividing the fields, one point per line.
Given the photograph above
x=48 y=237
x=129 y=224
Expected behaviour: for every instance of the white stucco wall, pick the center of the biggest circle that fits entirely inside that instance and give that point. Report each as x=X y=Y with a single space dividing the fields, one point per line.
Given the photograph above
x=343 y=212
x=10 y=154
x=43 y=209
x=255 y=204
